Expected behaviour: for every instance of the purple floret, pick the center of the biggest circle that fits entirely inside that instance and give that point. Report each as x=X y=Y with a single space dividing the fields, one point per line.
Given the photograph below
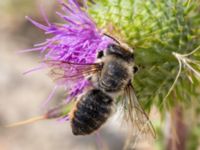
x=77 y=40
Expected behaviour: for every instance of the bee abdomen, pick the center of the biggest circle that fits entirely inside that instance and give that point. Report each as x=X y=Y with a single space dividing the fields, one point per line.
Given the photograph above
x=93 y=109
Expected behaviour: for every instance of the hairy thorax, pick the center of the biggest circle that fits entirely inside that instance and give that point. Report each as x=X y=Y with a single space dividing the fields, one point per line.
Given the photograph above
x=115 y=75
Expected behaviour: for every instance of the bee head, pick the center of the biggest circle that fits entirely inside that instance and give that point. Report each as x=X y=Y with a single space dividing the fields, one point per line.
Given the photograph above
x=119 y=51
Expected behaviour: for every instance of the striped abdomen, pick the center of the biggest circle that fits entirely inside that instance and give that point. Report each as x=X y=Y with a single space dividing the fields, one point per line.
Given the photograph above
x=92 y=110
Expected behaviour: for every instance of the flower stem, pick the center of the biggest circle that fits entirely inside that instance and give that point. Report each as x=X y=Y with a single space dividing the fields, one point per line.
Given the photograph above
x=176 y=135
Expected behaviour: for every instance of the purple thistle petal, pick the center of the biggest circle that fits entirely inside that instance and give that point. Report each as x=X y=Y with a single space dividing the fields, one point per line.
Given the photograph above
x=50 y=96
x=33 y=69
x=77 y=40
x=29 y=50
x=44 y=16
x=63 y=119
x=37 y=24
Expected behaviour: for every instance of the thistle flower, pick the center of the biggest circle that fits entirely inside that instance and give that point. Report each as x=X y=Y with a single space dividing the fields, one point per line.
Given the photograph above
x=77 y=40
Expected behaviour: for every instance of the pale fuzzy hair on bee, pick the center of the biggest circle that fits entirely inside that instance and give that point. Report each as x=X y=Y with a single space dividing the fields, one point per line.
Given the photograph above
x=124 y=45
x=94 y=77
x=77 y=99
x=74 y=108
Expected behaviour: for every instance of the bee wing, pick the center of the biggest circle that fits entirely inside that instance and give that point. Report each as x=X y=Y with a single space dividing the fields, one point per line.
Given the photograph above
x=69 y=71
x=135 y=116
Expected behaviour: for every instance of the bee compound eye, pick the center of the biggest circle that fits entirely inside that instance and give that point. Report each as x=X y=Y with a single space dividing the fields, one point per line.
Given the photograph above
x=135 y=69
x=100 y=54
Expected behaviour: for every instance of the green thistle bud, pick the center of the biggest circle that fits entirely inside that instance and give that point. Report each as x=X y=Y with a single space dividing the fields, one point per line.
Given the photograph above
x=161 y=32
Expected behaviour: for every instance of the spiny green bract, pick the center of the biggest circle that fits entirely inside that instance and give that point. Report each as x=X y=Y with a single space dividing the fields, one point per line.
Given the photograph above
x=159 y=30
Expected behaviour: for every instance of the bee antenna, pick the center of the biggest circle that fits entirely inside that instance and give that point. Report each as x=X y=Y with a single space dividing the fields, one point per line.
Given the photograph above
x=112 y=38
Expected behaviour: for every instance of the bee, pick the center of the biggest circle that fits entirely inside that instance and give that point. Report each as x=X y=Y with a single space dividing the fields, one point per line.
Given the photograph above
x=110 y=77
